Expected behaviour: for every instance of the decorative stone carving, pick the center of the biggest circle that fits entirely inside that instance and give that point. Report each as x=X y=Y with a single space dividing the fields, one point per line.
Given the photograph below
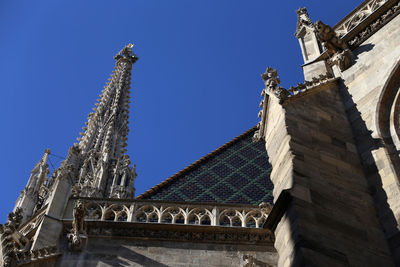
x=127 y=53
x=12 y=241
x=124 y=177
x=250 y=261
x=200 y=234
x=307 y=85
x=272 y=81
x=342 y=59
x=328 y=38
x=37 y=255
x=78 y=232
x=149 y=212
x=335 y=47
x=368 y=30
x=303 y=20
x=102 y=159
x=36 y=191
x=257 y=136
x=305 y=33
x=272 y=88
x=362 y=13
x=226 y=223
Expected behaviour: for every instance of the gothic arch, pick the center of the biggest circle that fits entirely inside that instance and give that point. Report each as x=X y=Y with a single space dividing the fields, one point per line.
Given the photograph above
x=388 y=117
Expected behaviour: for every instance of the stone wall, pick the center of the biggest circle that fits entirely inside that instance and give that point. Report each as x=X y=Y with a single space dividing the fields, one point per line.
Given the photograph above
x=125 y=252
x=369 y=91
x=331 y=219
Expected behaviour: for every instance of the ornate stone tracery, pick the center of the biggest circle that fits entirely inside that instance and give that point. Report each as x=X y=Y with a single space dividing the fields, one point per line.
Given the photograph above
x=13 y=242
x=152 y=212
x=362 y=13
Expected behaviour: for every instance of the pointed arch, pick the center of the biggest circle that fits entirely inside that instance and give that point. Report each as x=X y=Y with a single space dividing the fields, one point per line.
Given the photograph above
x=388 y=117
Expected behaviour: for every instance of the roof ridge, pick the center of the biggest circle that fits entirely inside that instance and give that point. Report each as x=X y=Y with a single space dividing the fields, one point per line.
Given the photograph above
x=175 y=176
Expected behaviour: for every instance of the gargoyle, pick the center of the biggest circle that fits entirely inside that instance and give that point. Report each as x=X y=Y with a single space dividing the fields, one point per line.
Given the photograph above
x=336 y=48
x=78 y=226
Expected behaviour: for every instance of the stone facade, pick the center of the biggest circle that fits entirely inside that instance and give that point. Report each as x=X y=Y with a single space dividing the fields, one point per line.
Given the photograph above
x=333 y=146
x=122 y=252
x=332 y=142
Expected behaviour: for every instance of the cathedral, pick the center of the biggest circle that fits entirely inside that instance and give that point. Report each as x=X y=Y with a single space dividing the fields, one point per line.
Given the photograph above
x=314 y=183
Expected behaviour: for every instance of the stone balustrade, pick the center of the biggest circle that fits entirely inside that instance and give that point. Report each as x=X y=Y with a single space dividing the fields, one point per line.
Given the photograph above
x=363 y=11
x=176 y=213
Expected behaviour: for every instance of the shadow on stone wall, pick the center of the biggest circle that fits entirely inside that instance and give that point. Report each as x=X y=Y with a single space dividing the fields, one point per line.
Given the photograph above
x=366 y=144
x=362 y=49
x=130 y=252
x=126 y=257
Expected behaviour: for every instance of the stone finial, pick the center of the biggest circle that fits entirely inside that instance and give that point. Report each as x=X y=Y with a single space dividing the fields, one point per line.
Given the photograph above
x=127 y=53
x=272 y=81
x=305 y=33
x=303 y=19
x=272 y=88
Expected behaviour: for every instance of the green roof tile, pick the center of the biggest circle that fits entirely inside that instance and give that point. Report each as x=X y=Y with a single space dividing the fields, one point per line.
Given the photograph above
x=238 y=173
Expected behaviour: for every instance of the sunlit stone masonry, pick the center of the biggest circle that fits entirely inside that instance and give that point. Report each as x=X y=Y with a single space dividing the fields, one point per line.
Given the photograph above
x=314 y=183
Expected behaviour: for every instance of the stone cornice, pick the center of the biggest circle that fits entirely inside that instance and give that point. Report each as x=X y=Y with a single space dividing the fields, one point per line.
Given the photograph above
x=173 y=232
x=303 y=89
x=365 y=20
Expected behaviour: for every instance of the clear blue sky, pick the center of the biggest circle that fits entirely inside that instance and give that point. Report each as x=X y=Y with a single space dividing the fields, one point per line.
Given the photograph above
x=196 y=86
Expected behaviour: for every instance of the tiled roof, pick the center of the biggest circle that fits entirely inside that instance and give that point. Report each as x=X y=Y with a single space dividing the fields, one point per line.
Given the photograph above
x=237 y=172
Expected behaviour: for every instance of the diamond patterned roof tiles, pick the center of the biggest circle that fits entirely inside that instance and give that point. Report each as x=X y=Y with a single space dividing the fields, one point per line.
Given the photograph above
x=237 y=173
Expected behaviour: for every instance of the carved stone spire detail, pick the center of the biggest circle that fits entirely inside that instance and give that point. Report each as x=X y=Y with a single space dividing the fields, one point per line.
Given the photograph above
x=104 y=166
x=305 y=33
x=272 y=88
x=12 y=241
x=303 y=20
x=35 y=189
x=272 y=81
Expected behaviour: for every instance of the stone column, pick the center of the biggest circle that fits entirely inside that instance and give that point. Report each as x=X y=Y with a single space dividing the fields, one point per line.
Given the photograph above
x=330 y=219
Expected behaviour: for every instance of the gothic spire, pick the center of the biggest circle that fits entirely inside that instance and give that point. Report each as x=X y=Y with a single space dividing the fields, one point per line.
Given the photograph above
x=105 y=166
x=33 y=191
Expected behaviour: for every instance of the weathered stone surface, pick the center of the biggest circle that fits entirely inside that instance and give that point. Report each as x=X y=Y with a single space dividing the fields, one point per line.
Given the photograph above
x=331 y=215
x=116 y=252
x=369 y=88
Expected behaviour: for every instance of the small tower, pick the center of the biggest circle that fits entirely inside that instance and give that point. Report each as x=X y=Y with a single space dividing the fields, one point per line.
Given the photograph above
x=30 y=196
x=305 y=33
